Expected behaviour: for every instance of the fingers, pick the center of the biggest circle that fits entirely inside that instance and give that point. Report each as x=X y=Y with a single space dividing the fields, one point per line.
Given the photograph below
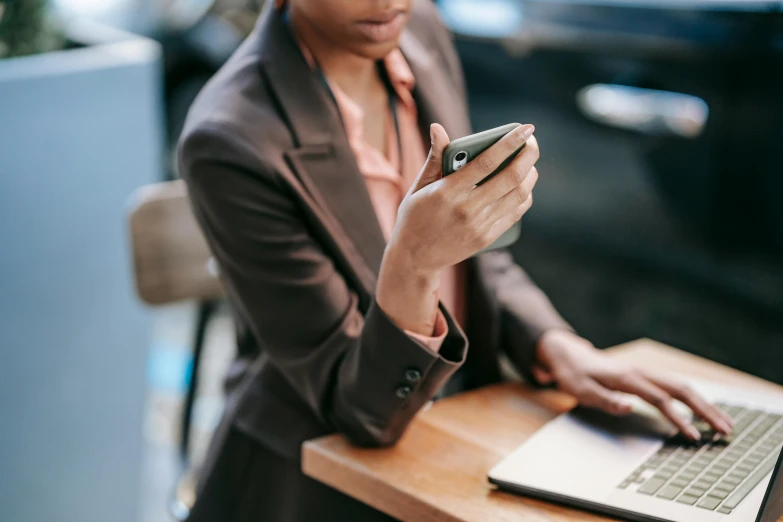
x=542 y=375
x=510 y=178
x=719 y=420
x=637 y=384
x=591 y=394
x=518 y=196
x=488 y=161
x=511 y=207
x=433 y=168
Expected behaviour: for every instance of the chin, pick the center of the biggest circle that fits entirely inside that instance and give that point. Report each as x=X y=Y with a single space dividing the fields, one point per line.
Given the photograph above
x=377 y=51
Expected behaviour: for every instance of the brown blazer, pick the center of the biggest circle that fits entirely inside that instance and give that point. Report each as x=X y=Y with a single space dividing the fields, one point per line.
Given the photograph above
x=276 y=189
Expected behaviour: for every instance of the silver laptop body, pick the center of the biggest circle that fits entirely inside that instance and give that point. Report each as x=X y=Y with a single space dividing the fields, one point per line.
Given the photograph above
x=625 y=467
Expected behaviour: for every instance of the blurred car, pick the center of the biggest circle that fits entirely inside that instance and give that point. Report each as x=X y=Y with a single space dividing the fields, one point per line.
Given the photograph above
x=696 y=82
x=659 y=122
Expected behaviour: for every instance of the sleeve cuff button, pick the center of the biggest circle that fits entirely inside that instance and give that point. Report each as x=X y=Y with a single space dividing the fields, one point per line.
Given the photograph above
x=403 y=392
x=413 y=375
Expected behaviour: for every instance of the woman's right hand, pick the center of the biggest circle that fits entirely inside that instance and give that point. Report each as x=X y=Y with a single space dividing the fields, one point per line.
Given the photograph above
x=443 y=221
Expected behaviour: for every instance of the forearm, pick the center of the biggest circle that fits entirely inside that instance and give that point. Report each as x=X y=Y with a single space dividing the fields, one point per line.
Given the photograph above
x=407 y=295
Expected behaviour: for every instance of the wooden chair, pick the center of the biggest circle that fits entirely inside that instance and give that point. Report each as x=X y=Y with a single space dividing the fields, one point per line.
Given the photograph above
x=172 y=262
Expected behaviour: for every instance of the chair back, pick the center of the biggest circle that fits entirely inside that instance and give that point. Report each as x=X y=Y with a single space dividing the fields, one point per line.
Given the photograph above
x=171 y=259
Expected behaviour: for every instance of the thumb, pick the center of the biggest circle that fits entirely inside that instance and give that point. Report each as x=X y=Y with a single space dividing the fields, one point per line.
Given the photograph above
x=542 y=375
x=433 y=169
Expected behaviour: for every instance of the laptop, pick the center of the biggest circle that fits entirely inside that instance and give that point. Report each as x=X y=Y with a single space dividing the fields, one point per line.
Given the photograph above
x=635 y=469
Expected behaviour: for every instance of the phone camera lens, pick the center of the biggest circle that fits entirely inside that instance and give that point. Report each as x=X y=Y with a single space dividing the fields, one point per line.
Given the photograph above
x=461 y=156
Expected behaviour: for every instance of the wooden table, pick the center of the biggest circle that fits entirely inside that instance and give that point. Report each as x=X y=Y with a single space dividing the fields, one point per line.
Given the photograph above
x=437 y=472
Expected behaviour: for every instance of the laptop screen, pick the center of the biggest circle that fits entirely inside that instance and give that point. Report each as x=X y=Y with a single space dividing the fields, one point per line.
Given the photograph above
x=772 y=509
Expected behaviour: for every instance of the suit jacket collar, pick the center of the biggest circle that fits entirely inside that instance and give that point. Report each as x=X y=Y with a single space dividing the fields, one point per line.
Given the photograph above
x=321 y=157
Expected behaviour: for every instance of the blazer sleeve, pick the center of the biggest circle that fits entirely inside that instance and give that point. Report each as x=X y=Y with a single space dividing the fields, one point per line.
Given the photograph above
x=359 y=372
x=525 y=311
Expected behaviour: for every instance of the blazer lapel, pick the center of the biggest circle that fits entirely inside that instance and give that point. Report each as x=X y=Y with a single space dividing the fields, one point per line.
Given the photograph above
x=322 y=158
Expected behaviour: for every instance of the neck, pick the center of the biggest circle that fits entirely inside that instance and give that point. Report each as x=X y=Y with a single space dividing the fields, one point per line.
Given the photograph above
x=354 y=74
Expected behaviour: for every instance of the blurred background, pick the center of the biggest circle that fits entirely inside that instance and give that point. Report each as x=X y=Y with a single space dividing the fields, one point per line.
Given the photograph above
x=657 y=215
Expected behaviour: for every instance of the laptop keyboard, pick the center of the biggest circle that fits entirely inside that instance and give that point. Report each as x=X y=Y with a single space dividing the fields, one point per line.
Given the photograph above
x=716 y=473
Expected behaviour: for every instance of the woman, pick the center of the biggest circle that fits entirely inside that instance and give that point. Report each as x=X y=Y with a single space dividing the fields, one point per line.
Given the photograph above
x=347 y=259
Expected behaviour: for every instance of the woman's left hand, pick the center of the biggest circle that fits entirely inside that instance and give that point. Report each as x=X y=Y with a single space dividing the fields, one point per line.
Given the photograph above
x=595 y=379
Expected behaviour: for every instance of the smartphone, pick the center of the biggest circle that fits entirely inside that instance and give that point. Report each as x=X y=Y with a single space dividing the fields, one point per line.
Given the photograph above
x=462 y=151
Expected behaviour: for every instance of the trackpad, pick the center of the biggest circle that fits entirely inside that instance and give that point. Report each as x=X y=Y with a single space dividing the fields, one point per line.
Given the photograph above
x=639 y=423
x=585 y=453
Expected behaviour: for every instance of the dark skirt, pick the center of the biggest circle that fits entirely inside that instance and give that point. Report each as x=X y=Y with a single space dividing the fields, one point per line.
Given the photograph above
x=244 y=481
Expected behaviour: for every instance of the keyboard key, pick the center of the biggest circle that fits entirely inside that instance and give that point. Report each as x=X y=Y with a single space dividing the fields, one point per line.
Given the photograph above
x=624 y=484
x=718 y=493
x=737 y=497
x=669 y=492
x=724 y=510
x=688 y=475
x=712 y=476
x=737 y=474
x=728 y=486
x=681 y=482
x=687 y=499
x=709 y=503
x=652 y=486
x=696 y=492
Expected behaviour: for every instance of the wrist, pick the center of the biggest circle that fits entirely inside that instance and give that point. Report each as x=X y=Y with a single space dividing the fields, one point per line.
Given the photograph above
x=407 y=294
x=555 y=343
x=399 y=258
x=549 y=346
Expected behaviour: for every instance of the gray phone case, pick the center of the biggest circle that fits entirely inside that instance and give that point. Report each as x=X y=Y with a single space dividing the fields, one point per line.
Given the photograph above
x=474 y=145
